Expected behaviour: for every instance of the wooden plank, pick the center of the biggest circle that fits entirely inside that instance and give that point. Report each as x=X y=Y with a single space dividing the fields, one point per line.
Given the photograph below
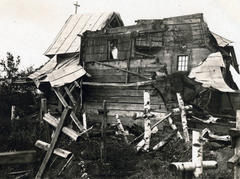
x=68 y=131
x=60 y=97
x=72 y=114
x=70 y=95
x=18 y=157
x=58 y=151
x=66 y=112
x=76 y=121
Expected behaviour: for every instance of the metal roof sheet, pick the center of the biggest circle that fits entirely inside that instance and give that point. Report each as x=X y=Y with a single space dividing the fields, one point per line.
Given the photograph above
x=222 y=42
x=59 y=72
x=67 y=40
x=209 y=73
x=66 y=74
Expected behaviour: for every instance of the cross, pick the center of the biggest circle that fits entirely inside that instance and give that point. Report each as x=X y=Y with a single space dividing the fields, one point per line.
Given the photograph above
x=77 y=5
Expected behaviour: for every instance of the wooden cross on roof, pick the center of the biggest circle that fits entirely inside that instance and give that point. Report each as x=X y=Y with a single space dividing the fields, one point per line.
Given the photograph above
x=76 y=6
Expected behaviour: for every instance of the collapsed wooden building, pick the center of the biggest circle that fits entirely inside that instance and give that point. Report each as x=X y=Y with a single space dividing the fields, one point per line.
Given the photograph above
x=95 y=58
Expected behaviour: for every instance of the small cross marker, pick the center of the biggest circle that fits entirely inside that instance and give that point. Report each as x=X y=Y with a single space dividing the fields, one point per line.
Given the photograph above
x=76 y=6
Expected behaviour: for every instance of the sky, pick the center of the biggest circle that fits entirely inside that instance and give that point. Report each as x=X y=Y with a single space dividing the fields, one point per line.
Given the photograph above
x=28 y=27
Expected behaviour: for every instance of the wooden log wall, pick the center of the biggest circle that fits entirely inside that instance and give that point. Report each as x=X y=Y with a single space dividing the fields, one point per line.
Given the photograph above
x=98 y=48
x=124 y=101
x=167 y=38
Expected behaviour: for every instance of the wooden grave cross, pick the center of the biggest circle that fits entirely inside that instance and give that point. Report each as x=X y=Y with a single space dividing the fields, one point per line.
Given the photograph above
x=197 y=165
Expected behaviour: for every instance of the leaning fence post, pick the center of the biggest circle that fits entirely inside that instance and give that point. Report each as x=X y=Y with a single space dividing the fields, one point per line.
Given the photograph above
x=13 y=112
x=44 y=110
x=235 y=135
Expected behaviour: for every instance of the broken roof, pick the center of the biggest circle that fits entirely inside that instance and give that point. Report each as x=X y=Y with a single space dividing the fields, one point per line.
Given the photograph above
x=67 y=40
x=221 y=41
x=59 y=72
x=209 y=73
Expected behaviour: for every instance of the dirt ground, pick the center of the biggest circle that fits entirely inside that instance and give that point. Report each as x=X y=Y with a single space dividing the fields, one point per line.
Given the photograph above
x=122 y=160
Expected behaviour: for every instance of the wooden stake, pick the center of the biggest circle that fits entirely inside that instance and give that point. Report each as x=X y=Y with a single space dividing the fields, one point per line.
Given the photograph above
x=103 y=133
x=13 y=112
x=45 y=111
x=183 y=117
x=66 y=112
x=84 y=120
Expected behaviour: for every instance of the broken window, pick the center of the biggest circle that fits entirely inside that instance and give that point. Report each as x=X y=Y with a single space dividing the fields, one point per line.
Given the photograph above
x=182 y=63
x=113 y=51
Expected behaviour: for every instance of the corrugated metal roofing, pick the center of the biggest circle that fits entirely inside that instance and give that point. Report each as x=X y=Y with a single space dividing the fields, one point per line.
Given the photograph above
x=209 y=73
x=67 y=40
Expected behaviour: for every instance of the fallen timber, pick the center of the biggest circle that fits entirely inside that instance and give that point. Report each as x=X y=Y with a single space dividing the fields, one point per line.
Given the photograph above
x=58 y=151
x=219 y=128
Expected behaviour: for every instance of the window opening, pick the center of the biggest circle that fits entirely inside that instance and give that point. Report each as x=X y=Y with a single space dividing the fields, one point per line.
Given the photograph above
x=182 y=63
x=113 y=49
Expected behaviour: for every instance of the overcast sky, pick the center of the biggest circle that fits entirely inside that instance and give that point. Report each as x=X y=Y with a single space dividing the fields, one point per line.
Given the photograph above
x=28 y=27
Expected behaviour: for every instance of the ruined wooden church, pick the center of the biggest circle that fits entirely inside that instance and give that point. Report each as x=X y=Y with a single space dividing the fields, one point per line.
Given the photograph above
x=95 y=57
